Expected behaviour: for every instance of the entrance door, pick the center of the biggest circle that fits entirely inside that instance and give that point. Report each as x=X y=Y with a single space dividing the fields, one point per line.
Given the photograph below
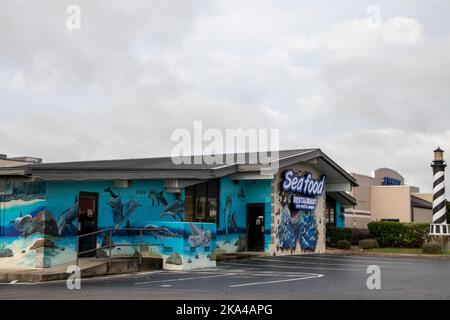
x=87 y=223
x=255 y=227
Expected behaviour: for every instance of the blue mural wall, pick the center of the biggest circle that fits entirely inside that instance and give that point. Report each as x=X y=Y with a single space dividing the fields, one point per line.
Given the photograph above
x=23 y=222
x=232 y=218
x=340 y=218
x=39 y=225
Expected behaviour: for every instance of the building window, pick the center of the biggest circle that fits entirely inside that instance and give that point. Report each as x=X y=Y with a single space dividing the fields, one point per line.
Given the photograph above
x=330 y=214
x=201 y=202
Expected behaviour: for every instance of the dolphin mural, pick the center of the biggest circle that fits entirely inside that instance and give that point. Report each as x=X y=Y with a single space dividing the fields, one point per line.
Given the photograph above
x=67 y=218
x=157 y=197
x=158 y=231
x=175 y=210
x=198 y=237
x=121 y=211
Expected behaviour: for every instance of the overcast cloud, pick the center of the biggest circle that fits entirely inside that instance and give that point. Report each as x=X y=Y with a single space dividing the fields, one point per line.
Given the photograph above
x=317 y=70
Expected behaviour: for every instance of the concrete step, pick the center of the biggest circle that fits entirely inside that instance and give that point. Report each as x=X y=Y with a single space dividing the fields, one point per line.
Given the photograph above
x=238 y=256
x=89 y=268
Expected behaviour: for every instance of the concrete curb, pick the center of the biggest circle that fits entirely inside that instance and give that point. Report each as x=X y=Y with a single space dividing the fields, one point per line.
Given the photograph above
x=102 y=268
x=384 y=254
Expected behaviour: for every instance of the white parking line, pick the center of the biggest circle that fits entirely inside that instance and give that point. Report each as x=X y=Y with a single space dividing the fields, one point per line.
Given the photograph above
x=185 y=279
x=352 y=258
x=297 y=261
x=327 y=258
x=275 y=281
x=289 y=267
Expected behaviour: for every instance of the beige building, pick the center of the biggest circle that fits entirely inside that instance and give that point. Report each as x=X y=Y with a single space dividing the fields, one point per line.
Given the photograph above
x=384 y=196
x=6 y=161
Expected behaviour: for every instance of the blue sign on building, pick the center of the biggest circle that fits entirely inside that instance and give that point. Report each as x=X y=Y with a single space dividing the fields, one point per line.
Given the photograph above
x=391 y=181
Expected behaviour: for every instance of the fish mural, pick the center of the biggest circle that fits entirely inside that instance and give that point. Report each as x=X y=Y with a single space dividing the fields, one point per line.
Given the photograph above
x=175 y=210
x=241 y=194
x=121 y=211
x=158 y=231
x=66 y=219
x=199 y=237
x=226 y=215
x=233 y=222
x=157 y=197
x=299 y=227
x=23 y=224
x=43 y=223
x=41 y=233
x=287 y=237
x=308 y=231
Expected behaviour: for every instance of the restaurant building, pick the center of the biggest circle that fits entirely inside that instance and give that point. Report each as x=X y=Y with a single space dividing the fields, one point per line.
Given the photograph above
x=384 y=196
x=185 y=214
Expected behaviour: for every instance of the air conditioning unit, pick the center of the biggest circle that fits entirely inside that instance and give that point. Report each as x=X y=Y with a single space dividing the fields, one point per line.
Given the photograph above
x=121 y=184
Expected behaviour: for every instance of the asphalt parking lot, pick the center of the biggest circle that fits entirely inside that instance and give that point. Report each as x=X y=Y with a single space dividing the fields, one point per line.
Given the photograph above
x=288 y=277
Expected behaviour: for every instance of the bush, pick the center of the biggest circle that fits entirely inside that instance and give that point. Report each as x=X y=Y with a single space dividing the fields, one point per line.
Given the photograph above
x=432 y=248
x=359 y=234
x=343 y=244
x=334 y=234
x=368 y=244
x=396 y=234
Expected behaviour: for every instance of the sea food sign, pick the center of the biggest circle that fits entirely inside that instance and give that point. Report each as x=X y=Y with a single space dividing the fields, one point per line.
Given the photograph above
x=305 y=189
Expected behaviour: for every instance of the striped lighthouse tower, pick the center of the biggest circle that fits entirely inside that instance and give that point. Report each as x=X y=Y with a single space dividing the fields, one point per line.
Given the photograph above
x=439 y=223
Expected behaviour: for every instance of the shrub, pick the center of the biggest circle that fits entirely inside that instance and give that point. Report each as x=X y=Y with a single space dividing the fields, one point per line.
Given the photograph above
x=359 y=234
x=368 y=244
x=333 y=235
x=432 y=248
x=343 y=244
x=396 y=234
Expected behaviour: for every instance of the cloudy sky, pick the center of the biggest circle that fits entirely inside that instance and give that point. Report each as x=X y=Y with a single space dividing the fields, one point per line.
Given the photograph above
x=370 y=92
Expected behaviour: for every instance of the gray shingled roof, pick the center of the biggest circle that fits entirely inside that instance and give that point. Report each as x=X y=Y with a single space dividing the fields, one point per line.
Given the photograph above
x=163 y=168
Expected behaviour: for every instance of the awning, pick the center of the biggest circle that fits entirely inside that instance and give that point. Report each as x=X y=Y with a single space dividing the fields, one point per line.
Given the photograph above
x=417 y=202
x=344 y=198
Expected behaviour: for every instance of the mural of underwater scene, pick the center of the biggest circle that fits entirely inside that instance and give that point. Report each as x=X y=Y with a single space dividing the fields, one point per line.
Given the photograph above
x=199 y=245
x=35 y=236
x=298 y=228
x=24 y=223
x=232 y=218
x=40 y=230
x=180 y=245
x=117 y=208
